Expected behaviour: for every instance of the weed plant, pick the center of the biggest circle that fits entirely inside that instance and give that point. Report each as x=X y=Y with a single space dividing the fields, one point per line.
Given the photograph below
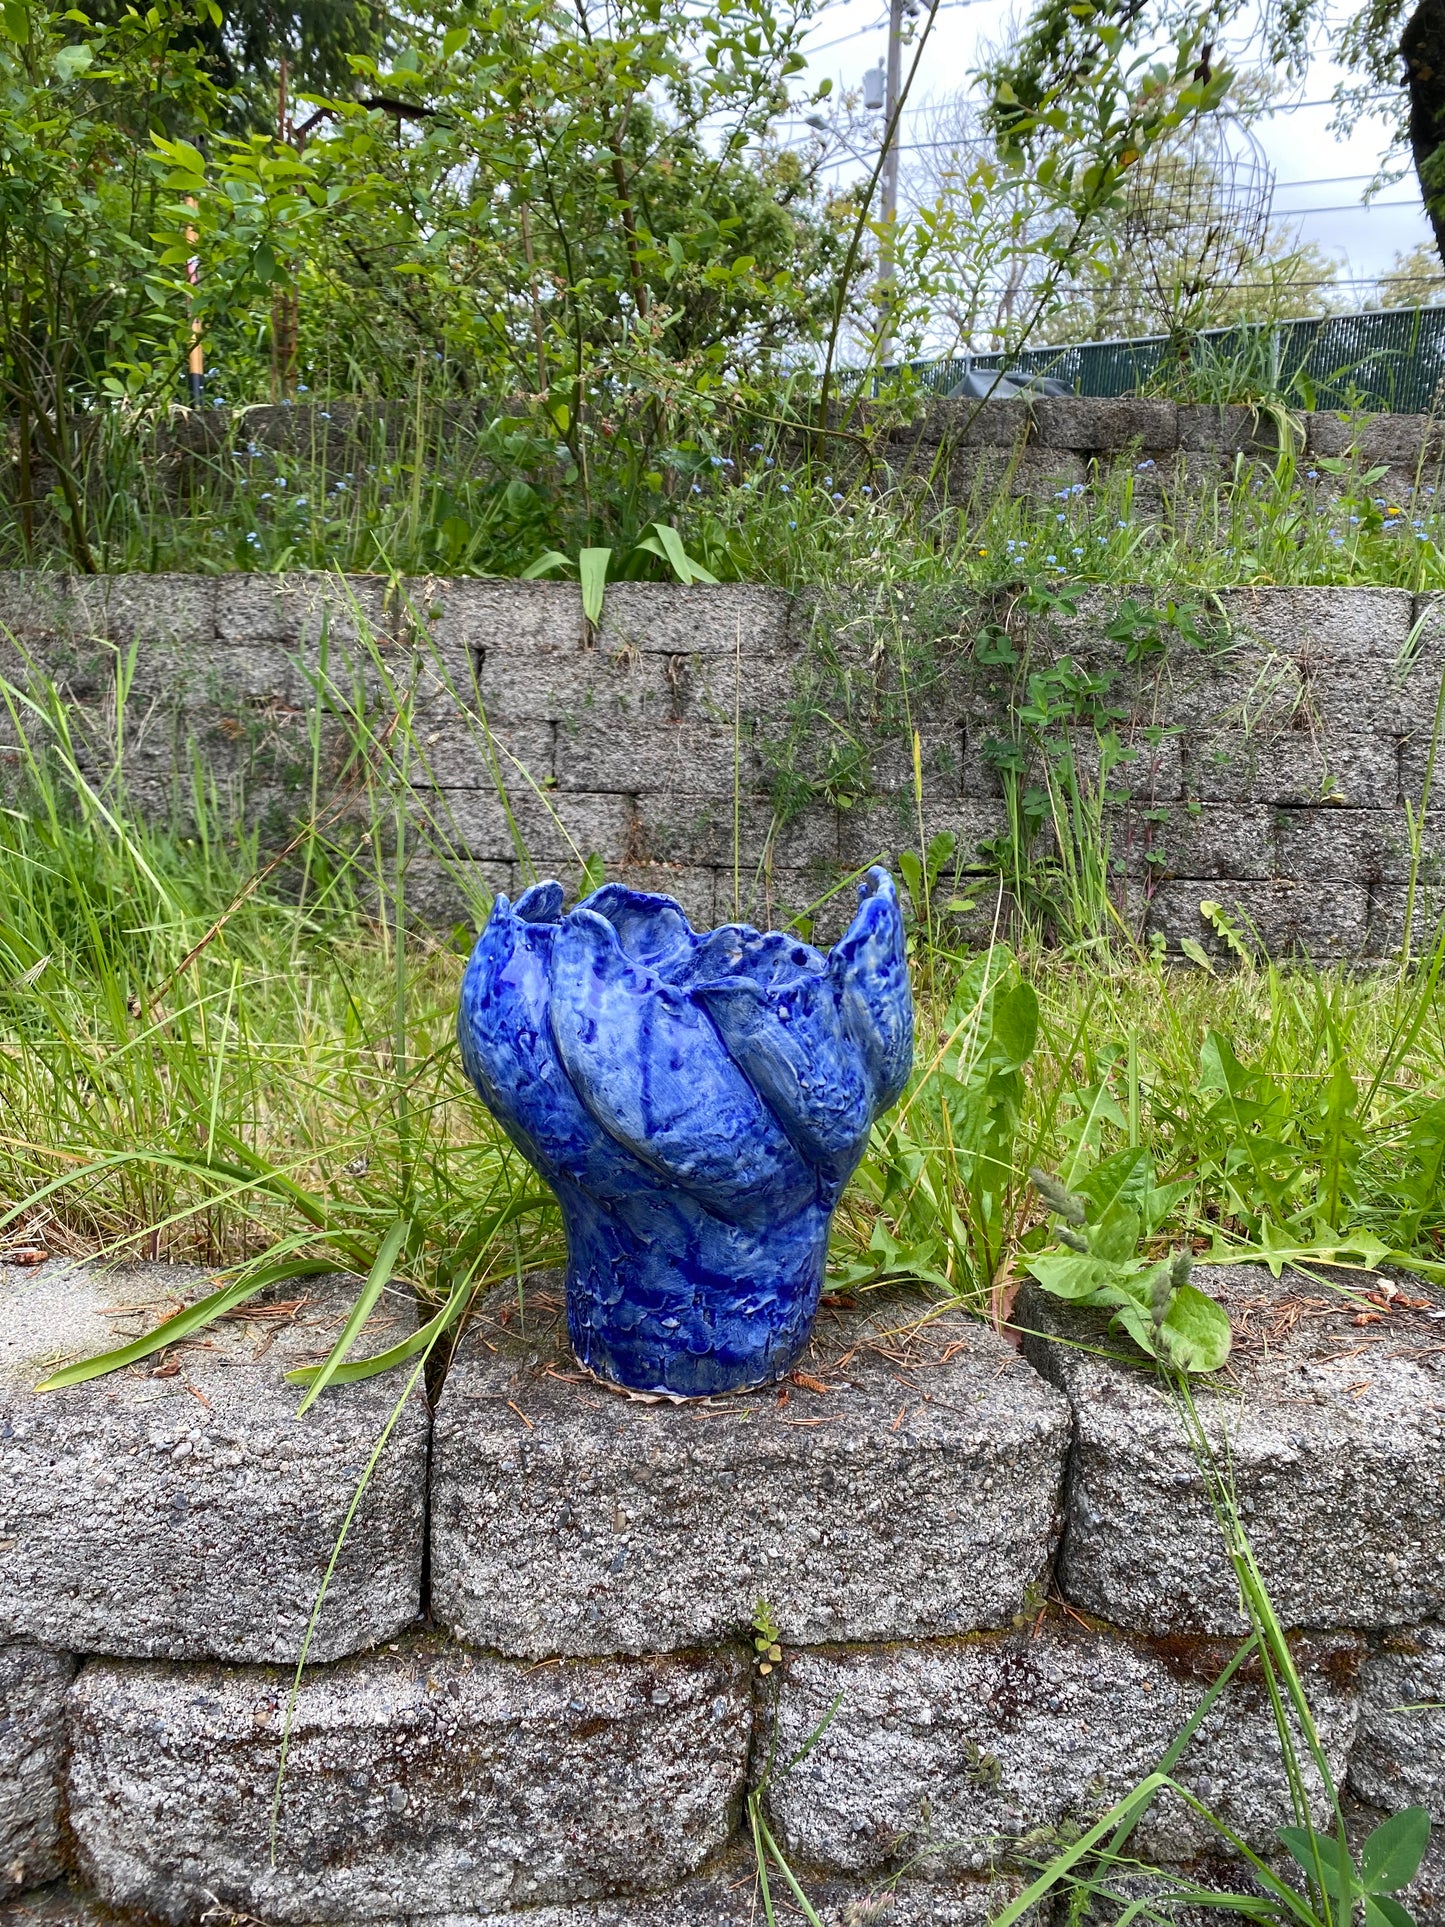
x=212 y=1054
x=422 y=489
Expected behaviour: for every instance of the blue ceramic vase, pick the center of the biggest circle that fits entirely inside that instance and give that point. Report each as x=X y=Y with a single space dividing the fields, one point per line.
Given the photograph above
x=697 y=1103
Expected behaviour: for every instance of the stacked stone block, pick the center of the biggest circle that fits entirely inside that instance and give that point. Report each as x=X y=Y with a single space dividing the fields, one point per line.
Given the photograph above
x=996 y=1584
x=1267 y=771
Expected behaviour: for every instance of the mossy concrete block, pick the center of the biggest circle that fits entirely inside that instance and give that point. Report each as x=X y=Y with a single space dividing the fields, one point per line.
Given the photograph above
x=553 y=831
x=1097 y=426
x=1389 y=906
x=300 y=608
x=1293 y=767
x=961 y=1754
x=1283 y=916
x=876 y=832
x=1399 y=1757
x=421 y=1780
x=1334 y=1433
x=1213 y=840
x=1364 y=846
x=904 y=1482
x=33 y=1682
x=684 y=826
x=1365 y=660
x=1226 y=429
x=664 y=618
x=179 y=1509
x=61 y=1904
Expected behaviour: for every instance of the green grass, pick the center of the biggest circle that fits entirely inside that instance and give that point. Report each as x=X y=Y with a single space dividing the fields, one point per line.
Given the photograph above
x=439 y=499
x=209 y=1055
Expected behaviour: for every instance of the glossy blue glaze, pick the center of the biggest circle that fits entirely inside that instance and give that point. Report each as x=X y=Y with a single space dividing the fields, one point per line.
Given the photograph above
x=697 y=1103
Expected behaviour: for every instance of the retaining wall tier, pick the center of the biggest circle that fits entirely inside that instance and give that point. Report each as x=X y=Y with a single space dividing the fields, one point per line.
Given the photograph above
x=745 y=751
x=990 y=1596
x=1163 y=448
x=178 y=1510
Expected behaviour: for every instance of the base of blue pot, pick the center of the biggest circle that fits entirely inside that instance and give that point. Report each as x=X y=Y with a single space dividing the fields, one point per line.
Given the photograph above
x=717 y=1310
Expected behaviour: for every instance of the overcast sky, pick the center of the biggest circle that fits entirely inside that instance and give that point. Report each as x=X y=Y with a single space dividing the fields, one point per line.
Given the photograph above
x=1320 y=176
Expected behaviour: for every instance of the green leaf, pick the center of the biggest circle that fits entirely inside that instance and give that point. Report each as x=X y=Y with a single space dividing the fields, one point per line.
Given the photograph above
x=1122 y=1177
x=72 y=61
x=1323 y=1859
x=194 y=1318
x=453 y=41
x=545 y=563
x=1196 y=1330
x=1115 y=1237
x=592 y=567
x=683 y=566
x=1016 y=1025
x=1072 y=1276
x=1390 y=1858
x=1381 y=1911
x=378 y=1278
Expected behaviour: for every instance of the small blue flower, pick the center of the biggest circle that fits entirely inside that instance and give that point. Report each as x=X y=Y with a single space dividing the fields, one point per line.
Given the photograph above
x=837 y=497
x=1139 y=467
x=866 y=489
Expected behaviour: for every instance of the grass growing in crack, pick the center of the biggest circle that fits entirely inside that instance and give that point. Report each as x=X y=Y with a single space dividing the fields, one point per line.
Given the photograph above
x=431 y=494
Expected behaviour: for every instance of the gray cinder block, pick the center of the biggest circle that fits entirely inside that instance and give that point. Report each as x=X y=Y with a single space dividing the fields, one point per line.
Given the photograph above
x=33 y=1682
x=1294 y=767
x=960 y=1753
x=1399 y=1757
x=1284 y=916
x=422 y=1780
x=193 y=1515
x=1333 y=1434
x=904 y=1482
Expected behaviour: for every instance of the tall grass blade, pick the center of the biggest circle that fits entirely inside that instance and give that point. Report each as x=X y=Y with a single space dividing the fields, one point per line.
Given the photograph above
x=377 y=1281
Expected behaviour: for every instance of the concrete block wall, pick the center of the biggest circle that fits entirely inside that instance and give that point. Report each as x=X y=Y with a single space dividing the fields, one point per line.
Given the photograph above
x=1165 y=448
x=998 y=1588
x=692 y=743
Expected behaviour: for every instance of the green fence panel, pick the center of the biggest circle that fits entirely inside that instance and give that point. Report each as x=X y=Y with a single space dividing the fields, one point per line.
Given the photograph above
x=1392 y=361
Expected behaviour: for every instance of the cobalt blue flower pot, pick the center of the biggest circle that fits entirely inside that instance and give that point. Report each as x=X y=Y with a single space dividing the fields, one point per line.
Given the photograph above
x=697 y=1103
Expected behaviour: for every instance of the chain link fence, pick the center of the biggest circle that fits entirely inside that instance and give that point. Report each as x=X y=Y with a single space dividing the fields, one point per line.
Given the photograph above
x=1387 y=362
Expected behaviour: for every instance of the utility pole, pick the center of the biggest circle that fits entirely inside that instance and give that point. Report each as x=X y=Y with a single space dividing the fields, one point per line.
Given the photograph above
x=893 y=87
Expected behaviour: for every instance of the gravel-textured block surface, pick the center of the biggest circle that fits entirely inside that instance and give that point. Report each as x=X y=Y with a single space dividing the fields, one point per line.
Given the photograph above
x=180 y=1509
x=422 y=1780
x=33 y=1683
x=903 y=1482
x=952 y=1756
x=1399 y=1758
x=1335 y=1435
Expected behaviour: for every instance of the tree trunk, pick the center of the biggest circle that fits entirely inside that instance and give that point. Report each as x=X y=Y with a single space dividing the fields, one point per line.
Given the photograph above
x=1422 y=46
